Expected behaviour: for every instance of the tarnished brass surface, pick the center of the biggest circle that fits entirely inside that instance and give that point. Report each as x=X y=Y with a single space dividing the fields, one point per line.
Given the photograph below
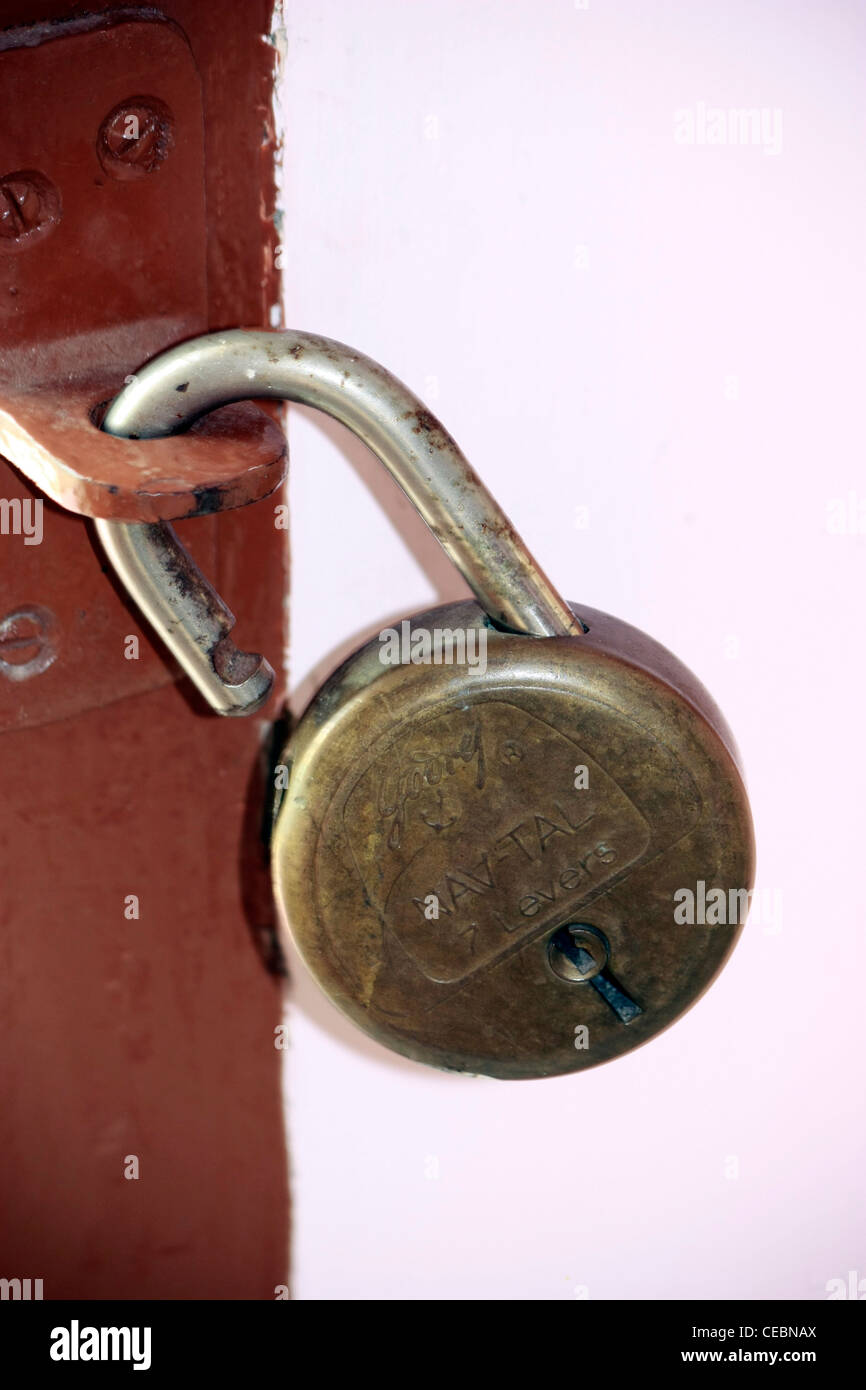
x=417 y=780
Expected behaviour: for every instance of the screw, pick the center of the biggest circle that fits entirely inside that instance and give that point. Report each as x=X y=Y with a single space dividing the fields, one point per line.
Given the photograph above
x=29 y=206
x=27 y=642
x=135 y=137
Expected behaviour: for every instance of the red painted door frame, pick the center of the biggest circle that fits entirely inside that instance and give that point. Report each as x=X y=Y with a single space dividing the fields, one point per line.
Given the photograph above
x=141 y=1132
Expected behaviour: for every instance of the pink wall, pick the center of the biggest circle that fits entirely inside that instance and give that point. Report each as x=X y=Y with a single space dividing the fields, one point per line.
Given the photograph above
x=490 y=198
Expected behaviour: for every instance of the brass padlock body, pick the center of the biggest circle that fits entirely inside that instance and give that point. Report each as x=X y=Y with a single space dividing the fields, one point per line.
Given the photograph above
x=443 y=824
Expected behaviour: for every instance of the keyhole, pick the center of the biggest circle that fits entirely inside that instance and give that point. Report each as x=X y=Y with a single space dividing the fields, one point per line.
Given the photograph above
x=581 y=953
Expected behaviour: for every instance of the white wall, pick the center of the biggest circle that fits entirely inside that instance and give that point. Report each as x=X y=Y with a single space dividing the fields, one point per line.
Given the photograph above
x=489 y=198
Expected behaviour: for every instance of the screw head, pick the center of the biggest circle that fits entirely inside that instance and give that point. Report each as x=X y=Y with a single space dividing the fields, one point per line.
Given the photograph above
x=28 y=643
x=29 y=208
x=135 y=138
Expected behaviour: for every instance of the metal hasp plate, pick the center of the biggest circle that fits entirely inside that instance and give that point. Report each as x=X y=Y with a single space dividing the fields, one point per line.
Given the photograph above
x=103 y=236
x=136 y=1014
x=103 y=262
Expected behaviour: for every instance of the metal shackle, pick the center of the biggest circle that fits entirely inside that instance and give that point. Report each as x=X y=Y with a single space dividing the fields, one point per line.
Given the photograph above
x=187 y=381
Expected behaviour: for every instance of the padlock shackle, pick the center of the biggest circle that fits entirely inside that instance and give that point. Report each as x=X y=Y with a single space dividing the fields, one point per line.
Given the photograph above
x=184 y=383
x=159 y=573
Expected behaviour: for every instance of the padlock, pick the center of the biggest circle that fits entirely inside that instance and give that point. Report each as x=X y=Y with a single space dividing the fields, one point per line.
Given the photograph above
x=512 y=841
